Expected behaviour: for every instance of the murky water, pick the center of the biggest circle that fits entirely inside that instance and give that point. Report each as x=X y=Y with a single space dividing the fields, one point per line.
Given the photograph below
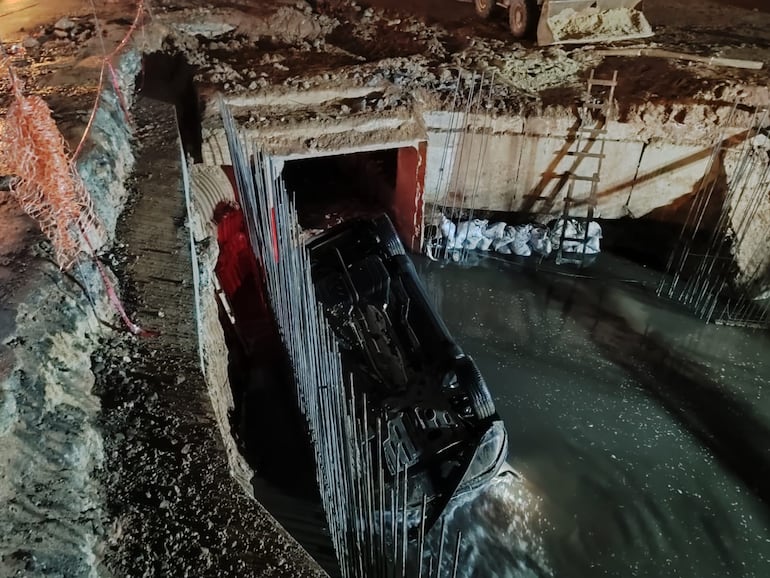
x=642 y=435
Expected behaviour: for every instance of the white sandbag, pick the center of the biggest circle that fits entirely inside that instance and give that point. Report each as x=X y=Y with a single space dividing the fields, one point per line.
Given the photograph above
x=448 y=229
x=485 y=243
x=521 y=249
x=593 y=246
x=473 y=229
x=572 y=247
x=502 y=245
x=521 y=237
x=495 y=230
x=471 y=243
x=522 y=233
x=540 y=241
x=573 y=229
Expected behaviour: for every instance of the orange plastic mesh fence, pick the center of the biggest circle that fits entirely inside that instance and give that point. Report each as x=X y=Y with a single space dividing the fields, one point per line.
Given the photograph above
x=47 y=186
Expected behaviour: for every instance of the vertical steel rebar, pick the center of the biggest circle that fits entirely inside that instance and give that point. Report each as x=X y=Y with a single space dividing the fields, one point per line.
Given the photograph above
x=456 y=561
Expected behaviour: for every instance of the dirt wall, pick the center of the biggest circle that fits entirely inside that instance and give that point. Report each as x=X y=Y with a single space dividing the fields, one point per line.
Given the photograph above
x=51 y=443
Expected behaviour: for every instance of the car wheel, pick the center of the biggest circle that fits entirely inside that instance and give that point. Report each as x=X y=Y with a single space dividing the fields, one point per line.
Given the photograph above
x=484 y=7
x=522 y=17
x=388 y=237
x=476 y=388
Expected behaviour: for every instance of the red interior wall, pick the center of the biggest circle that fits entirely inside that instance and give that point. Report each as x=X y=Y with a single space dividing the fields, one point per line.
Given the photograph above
x=407 y=203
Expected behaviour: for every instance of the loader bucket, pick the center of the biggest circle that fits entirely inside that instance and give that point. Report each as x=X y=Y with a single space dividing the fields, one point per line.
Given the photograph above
x=590 y=21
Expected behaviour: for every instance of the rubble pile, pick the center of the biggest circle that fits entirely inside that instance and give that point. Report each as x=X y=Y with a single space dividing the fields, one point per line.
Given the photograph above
x=517 y=70
x=614 y=22
x=357 y=46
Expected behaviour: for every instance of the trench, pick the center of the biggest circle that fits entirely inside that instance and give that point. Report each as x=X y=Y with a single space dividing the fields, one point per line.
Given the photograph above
x=329 y=187
x=168 y=77
x=643 y=441
x=167 y=467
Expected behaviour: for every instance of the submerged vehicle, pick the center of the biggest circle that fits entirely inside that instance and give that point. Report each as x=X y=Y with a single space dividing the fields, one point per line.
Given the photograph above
x=571 y=21
x=438 y=423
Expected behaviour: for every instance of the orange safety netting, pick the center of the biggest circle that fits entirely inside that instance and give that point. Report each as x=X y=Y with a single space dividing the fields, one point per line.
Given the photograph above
x=46 y=184
x=45 y=181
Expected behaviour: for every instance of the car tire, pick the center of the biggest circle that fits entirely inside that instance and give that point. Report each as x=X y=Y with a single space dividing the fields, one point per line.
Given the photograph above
x=389 y=240
x=484 y=8
x=522 y=17
x=478 y=393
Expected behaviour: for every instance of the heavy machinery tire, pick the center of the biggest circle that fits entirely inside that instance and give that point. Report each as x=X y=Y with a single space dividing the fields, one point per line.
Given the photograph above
x=522 y=17
x=471 y=379
x=484 y=8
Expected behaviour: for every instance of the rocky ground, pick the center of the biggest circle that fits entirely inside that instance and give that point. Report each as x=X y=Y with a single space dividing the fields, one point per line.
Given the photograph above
x=174 y=508
x=107 y=458
x=348 y=44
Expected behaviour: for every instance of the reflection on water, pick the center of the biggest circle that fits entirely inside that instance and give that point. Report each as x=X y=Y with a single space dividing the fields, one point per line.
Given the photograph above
x=501 y=533
x=644 y=434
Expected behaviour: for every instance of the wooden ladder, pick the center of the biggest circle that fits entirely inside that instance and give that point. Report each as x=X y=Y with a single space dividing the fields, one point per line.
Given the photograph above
x=580 y=199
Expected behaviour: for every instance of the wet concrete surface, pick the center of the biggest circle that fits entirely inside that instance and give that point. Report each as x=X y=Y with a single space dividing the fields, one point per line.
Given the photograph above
x=641 y=434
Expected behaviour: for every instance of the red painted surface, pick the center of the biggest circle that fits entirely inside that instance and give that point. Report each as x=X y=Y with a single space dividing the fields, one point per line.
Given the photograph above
x=406 y=207
x=243 y=283
x=236 y=261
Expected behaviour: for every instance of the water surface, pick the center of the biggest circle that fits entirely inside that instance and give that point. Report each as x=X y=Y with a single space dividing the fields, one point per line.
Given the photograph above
x=642 y=434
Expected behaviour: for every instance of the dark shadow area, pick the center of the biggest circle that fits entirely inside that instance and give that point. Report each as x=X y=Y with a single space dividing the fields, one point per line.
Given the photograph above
x=272 y=436
x=647 y=241
x=331 y=189
x=265 y=422
x=727 y=426
x=169 y=78
x=270 y=432
x=687 y=223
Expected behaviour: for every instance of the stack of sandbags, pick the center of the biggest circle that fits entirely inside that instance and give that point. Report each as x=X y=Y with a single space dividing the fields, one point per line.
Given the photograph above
x=521 y=240
x=576 y=238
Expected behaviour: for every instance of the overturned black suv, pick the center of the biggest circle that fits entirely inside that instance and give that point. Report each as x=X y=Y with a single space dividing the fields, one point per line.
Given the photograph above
x=438 y=418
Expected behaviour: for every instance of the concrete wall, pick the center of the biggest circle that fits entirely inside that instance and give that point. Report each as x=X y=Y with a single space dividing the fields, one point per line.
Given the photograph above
x=514 y=163
x=519 y=169
x=749 y=205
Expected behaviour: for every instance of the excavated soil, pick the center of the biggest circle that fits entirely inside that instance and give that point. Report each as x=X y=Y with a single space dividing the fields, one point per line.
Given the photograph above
x=173 y=507
x=124 y=424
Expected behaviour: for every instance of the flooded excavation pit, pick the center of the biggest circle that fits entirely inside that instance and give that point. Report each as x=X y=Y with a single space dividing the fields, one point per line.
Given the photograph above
x=575 y=178
x=409 y=298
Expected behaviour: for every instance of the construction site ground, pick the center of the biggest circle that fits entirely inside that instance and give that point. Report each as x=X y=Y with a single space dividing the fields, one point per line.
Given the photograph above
x=122 y=423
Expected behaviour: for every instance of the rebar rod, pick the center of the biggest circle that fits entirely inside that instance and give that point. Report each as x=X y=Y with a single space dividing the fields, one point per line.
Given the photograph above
x=442 y=538
x=421 y=538
x=441 y=197
x=404 y=525
x=456 y=560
